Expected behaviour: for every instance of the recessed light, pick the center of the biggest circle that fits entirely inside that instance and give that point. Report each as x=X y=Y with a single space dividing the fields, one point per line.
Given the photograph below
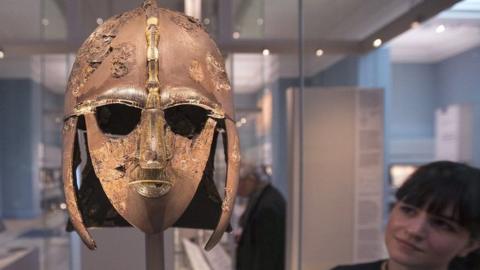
x=99 y=21
x=45 y=22
x=2 y=54
x=206 y=21
x=243 y=120
x=236 y=35
x=377 y=43
x=260 y=21
x=266 y=52
x=415 y=24
x=440 y=29
x=319 y=52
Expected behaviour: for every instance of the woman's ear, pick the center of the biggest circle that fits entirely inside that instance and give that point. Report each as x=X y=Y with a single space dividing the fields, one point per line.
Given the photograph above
x=473 y=244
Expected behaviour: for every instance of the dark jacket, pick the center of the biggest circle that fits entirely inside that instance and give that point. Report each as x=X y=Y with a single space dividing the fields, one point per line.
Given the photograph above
x=262 y=243
x=361 y=266
x=456 y=265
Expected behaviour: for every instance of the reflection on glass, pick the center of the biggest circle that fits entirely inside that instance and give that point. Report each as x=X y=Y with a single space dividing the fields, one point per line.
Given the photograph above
x=33 y=206
x=210 y=14
x=248 y=19
x=54 y=21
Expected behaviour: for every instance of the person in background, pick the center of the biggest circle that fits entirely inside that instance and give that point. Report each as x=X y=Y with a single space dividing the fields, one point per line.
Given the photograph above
x=261 y=244
x=435 y=223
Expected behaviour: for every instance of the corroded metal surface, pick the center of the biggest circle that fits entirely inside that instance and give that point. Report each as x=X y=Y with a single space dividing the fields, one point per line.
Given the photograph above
x=231 y=185
x=218 y=74
x=186 y=22
x=157 y=170
x=185 y=171
x=69 y=132
x=95 y=49
x=91 y=81
x=196 y=71
x=123 y=60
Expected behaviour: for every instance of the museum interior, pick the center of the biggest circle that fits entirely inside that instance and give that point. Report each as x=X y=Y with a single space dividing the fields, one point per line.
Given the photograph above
x=338 y=101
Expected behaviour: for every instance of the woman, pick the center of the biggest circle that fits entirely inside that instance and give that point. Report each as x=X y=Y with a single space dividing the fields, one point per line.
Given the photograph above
x=435 y=223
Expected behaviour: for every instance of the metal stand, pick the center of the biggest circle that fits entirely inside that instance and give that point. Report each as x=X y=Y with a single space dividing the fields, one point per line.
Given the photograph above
x=154 y=251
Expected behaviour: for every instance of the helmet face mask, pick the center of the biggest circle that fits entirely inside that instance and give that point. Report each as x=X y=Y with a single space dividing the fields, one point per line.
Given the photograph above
x=149 y=88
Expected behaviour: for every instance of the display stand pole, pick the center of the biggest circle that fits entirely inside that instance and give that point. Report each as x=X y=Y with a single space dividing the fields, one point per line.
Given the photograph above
x=154 y=251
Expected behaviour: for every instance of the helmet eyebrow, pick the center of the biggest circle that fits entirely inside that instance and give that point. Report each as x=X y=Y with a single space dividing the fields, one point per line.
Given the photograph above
x=175 y=96
x=89 y=106
x=170 y=97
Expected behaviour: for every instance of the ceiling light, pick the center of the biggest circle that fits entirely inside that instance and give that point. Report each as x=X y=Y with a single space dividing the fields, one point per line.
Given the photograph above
x=243 y=120
x=319 y=52
x=260 y=21
x=45 y=22
x=415 y=24
x=206 y=21
x=236 y=35
x=440 y=29
x=266 y=52
x=377 y=43
x=99 y=21
x=2 y=54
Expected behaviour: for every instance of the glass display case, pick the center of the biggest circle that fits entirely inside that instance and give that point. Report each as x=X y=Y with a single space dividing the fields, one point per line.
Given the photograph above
x=336 y=99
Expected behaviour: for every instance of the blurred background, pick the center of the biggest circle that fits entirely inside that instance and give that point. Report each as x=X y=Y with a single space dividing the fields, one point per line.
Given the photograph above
x=339 y=99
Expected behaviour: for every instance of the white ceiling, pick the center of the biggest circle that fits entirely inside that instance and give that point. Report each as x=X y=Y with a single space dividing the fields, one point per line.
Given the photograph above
x=325 y=19
x=423 y=44
x=253 y=71
x=28 y=28
x=332 y=19
x=336 y=20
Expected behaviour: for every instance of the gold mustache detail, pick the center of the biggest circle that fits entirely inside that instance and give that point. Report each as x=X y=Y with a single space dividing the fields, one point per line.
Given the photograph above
x=151 y=183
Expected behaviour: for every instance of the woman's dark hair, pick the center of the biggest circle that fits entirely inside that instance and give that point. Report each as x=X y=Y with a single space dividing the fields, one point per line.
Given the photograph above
x=438 y=185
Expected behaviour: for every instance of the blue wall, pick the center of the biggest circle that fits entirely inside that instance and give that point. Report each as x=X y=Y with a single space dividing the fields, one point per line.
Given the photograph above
x=52 y=123
x=459 y=82
x=371 y=70
x=419 y=89
x=413 y=101
x=344 y=73
x=279 y=132
x=19 y=139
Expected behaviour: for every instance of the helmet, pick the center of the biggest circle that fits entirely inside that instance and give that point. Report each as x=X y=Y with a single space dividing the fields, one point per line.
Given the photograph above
x=149 y=94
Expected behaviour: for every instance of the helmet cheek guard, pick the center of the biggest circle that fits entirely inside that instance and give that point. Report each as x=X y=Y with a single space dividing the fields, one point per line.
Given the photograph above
x=149 y=90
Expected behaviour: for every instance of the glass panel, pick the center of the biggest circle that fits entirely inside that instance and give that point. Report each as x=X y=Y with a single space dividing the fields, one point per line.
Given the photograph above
x=373 y=104
x=29 y=28
x=281 y=20
x=32 y=208
x=54 y=21
x=33 y=213
x=248 y=19
x=343 y=131
x=210 y=18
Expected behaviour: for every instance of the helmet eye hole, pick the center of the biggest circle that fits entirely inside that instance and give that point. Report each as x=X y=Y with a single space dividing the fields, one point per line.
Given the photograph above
x=186 y=120
x=117 y=119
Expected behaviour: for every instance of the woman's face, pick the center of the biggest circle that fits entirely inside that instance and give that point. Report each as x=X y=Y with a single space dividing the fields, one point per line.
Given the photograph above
x=417 y=239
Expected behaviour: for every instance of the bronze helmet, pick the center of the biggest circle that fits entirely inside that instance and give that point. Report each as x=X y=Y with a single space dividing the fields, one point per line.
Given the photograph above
x=149 y=90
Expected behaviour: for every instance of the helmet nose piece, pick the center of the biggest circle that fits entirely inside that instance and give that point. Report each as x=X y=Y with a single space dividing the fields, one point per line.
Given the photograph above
x=154 y=149
x=152 y=179
x=150 y=156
